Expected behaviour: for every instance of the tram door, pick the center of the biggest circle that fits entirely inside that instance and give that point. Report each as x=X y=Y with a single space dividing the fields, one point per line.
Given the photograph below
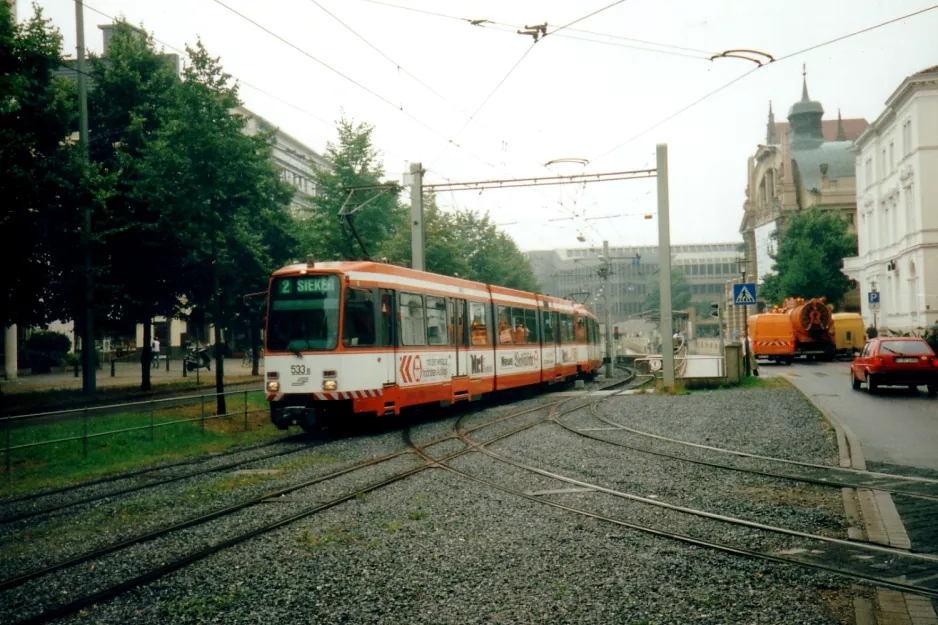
x=388 y=333
x=459 y=333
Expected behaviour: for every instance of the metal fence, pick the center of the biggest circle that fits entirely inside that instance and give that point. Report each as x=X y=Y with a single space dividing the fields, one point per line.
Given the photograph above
x=10 y=424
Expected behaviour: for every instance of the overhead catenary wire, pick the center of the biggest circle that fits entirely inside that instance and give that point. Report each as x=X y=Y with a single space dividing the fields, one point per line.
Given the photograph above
x=449 y=141
x=587 y=16
x=339 y=73
x=754 y=69
x=513 y=30
x=241 y=81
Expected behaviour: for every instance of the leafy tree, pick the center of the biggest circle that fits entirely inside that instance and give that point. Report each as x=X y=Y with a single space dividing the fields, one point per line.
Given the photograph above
x=680 y=292
x=227 y=203
x=379 y=215
x=40 y=174
x=809 y=259
x=139 y=258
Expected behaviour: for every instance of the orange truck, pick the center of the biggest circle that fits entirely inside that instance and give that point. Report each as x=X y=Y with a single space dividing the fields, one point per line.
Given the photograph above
x=771 y=337
x=813 y=325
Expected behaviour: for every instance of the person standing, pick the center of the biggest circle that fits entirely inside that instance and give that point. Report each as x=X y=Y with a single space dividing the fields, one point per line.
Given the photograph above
x=155 y=349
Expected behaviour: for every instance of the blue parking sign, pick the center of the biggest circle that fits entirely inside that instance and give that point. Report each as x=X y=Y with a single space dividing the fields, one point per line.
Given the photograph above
x=872 y=297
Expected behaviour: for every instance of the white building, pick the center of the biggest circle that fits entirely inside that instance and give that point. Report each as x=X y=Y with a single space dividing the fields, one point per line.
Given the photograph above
x=897 y=205
x=296 y=162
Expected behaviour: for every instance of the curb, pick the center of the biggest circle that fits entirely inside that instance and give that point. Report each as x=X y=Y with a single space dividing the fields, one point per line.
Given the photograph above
x=881 y=523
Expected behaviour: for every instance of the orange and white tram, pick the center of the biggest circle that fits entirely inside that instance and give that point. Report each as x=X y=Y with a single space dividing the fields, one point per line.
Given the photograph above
x=365 y=337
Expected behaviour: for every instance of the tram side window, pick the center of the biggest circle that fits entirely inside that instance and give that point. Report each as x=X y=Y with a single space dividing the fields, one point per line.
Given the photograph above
x=358 y=323
x=437 y=330
x=413 y=322
x=566 y=328
x=530 y=323
x=519 y=331
x=548 y=327
x=581 y=330
x=479 y=329
x=504 y=325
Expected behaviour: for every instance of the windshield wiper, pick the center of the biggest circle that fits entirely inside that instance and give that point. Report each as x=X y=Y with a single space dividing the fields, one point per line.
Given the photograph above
x=296 y=352
x=884 y=348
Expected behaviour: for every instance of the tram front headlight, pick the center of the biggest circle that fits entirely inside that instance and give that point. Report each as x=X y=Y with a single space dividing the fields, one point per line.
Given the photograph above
x=273 y=387
x=329 y=385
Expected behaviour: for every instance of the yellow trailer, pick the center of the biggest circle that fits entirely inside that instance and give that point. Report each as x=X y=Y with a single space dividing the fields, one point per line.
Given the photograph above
x=849 y=333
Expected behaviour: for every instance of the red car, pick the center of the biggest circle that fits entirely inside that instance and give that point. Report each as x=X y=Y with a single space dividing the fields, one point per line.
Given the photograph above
x=896 y=361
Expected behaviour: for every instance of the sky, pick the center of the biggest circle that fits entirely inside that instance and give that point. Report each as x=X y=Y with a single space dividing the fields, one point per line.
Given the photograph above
x=474 y=102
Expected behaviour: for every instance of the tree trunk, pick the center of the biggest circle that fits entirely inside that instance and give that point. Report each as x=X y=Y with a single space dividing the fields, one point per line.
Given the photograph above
x=255 y=345
x=216 y=324
x=146 y=355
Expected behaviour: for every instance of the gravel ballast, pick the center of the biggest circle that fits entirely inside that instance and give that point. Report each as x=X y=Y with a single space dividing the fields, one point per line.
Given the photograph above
x=438 y=547
x=441 y=549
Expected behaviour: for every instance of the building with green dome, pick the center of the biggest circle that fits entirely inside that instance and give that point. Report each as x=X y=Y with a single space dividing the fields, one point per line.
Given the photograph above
x=805 y=163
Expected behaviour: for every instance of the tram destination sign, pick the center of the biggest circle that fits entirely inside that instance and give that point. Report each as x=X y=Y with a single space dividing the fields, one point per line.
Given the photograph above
x=313 y=285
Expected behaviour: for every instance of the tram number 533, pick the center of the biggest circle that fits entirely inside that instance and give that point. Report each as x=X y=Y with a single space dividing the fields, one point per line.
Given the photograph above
x=300 y=370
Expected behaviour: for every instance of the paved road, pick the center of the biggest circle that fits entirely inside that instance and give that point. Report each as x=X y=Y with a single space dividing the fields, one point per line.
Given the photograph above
x=894 y=426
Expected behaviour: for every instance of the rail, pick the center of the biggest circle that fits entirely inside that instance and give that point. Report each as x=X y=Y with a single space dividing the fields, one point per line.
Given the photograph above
x=152 y=407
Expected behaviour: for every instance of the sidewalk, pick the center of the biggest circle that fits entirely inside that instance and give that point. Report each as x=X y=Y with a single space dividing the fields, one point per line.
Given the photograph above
x=126 y=374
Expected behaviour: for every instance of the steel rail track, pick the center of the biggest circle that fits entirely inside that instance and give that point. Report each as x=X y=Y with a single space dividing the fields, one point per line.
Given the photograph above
x=728 y=467
x=736 y=452
x=158 y=572
x=133 y=489
x=875 y=579
x=141 y=472
x=18 y=580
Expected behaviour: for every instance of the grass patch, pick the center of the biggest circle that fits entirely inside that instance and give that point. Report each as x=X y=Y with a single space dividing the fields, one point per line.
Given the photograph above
x=393 y=527
x=332 y=535
x=58 y=464
x=417 y=515
x=677 y=389
x=307 y=461
x=761 y=382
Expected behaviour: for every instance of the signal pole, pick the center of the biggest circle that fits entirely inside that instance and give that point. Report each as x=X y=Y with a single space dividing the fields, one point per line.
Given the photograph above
x=89 y=365
x=664 y=252
x=416 y=218
x=610 y=344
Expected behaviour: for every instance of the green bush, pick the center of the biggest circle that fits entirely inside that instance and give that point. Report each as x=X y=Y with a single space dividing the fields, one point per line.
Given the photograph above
x=45 y=349
x=71 y=359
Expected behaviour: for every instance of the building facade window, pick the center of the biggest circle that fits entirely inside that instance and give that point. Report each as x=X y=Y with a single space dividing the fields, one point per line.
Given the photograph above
x=868 y=176
x=907 y=137
x=910 y=208
x=892 y=157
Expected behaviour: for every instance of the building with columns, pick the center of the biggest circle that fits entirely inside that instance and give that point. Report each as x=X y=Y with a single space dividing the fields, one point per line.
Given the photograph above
x=897 y=202
x=805 y=163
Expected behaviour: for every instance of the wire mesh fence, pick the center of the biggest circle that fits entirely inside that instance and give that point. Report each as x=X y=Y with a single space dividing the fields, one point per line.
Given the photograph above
x=110 y=428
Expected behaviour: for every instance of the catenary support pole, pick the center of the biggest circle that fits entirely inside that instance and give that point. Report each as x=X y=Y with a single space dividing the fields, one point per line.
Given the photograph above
x=720 y=308
x=610 y=344
x=89 y=365
x=664 y=263
x=416 y=217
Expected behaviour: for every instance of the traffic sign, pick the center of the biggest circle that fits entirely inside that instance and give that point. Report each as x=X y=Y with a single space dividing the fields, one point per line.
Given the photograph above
x=744 y=294
x=872 y=297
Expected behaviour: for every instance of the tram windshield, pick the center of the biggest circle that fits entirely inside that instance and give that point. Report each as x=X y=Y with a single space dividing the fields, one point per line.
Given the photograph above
x=304 y=313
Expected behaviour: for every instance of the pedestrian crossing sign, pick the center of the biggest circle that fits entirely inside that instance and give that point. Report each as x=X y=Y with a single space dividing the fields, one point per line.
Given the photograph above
x=744 y=294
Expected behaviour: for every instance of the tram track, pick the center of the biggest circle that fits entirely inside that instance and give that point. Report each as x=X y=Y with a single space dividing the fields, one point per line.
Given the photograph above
x=823 y=475
x=155 y=573
x=832 y=480
x=143 y=472
x=149 y=484
x=868 y=558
